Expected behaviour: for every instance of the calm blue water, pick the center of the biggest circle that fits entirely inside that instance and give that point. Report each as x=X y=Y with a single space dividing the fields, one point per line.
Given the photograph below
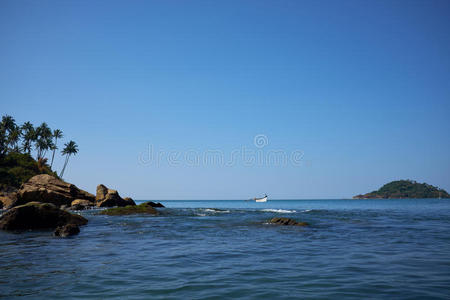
x=224 y=249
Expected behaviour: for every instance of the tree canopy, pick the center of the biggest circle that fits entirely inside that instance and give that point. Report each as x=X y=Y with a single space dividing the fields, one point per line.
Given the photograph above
x=406 y=189
x=17 y=145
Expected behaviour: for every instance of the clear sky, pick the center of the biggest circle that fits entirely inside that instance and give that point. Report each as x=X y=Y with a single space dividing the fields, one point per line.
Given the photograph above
x=360 y=88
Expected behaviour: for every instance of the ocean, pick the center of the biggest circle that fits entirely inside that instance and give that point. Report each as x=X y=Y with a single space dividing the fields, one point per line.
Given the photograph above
x=353 y=249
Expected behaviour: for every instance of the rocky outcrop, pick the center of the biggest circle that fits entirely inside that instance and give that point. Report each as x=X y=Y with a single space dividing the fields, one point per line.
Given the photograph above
x=109 y=198
x=287 y=222
x=49 y=189
x=37 y=215
x=129 y=201
x=144 y=208
x=67 y=230
x=81 y=204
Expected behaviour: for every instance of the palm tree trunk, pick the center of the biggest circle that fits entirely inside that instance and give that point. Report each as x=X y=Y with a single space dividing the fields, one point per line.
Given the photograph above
x=53 y=155
x=65 y=164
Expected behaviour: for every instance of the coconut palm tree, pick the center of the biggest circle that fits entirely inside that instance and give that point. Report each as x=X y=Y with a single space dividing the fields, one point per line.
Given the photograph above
x=14 y=137
x=28 y=136
x=57 y=134
x=43 y=140
x=7 y=125
x=69 y=149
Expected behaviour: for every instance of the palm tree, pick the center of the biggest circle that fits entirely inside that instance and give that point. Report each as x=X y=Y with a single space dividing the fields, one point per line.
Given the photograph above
x=29 y=135
x=14 y=137
x=57 y=134
x=43 y=140
x=69 y=149
x=7 y=125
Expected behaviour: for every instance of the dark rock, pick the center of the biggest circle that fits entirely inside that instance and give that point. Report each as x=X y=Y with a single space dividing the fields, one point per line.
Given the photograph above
x=48 y=189
x=67 y=230
x=36 y=215
x=287 y=222
x=109 y=198
x=6 y=190
x=153 y=204
x=129 y=201
x=143 y=208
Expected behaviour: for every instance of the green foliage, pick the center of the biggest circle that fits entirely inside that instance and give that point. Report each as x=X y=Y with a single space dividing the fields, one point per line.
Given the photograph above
x=16 y=145
x=16 y=168
x=407 y=189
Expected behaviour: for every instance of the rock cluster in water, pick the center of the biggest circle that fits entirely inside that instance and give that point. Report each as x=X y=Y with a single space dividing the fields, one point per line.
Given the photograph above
x=108 y=198
x=48 y=189
x=41 y=203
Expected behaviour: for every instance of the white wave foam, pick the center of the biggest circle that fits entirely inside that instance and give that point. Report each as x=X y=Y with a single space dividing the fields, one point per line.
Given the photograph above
x=216 y=210
x=306 y=210
x=282 y=211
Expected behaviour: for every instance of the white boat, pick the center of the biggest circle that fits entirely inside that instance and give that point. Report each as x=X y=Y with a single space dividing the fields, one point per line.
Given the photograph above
x=263 y=199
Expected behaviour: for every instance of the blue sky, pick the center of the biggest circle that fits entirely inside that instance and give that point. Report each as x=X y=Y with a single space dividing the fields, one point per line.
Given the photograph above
x=361 y=88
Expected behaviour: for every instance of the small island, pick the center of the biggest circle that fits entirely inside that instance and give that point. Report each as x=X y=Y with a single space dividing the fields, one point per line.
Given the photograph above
x=405 y=189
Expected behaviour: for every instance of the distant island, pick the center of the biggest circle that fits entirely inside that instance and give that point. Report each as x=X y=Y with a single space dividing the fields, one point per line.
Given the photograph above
x=405 y=189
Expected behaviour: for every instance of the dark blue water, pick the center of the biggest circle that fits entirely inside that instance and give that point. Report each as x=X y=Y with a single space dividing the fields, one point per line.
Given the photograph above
x=225 y=249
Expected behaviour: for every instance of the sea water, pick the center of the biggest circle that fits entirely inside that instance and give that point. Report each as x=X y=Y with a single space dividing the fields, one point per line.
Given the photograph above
x=353 y=249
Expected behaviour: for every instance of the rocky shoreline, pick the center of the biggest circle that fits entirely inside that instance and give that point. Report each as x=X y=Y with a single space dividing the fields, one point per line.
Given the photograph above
x=46 y=202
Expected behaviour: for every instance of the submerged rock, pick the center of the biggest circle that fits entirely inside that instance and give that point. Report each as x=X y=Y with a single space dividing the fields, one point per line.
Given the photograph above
x=287 y=222
x=48 y=189
x=108 y=198
x=67 y=230
x=144 y=208
x=37 y=215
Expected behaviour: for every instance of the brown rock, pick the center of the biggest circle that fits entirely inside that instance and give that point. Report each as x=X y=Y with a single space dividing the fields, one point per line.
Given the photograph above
x=108 y=198
x=8 y=201
x=287 y=222
x=81 y=204
x=36 y=215
x=67 y=230
x=49 y=189
x=101 y=193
